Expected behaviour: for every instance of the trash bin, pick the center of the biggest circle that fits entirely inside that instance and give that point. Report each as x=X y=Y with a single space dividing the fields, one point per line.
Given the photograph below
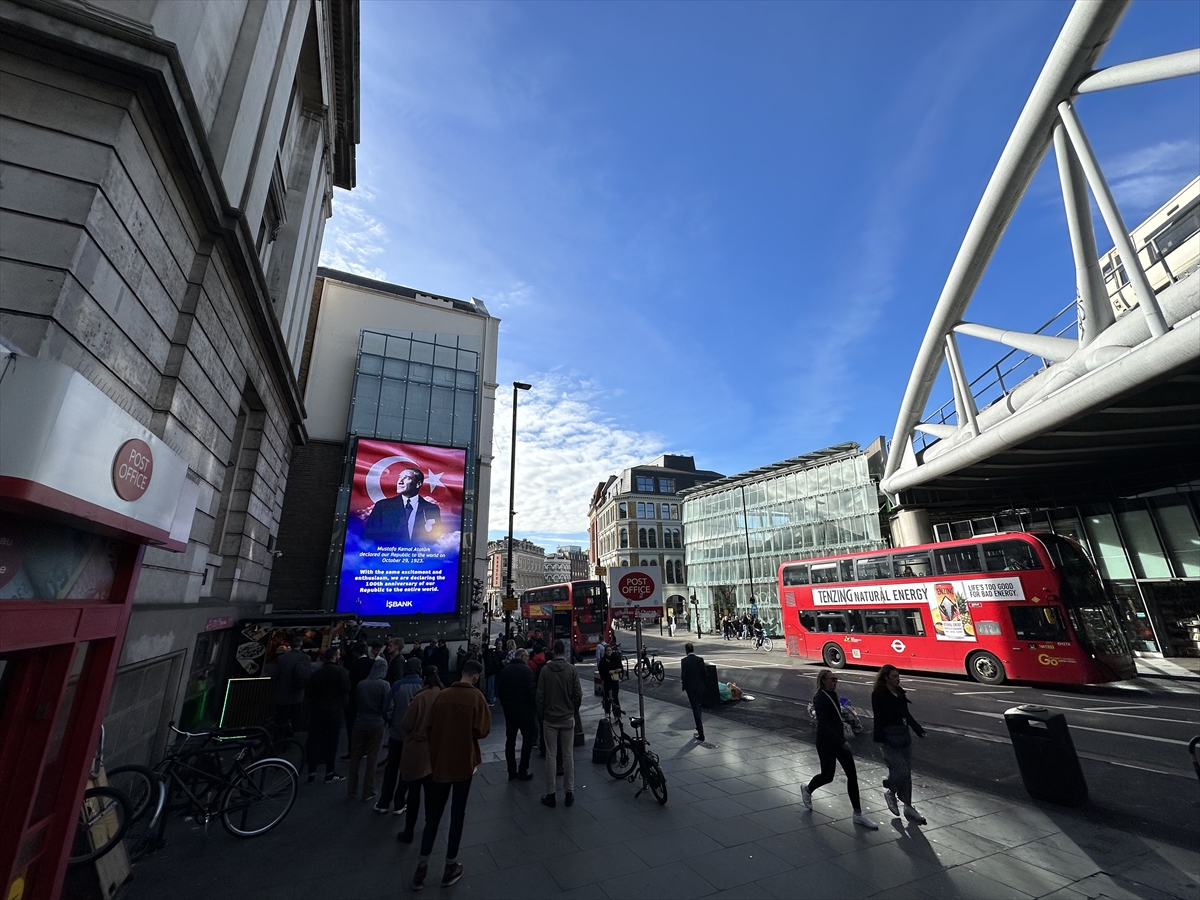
x=602 y=747
x=1046 y=755
x=712 y=695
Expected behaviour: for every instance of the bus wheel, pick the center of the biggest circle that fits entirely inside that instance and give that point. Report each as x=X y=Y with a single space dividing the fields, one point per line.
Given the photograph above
x=834 y=656
x=986 y=668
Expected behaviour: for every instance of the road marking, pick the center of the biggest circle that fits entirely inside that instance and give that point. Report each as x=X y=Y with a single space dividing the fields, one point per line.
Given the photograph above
x=1140 y=737
x=979 y=693
x=1093 y=711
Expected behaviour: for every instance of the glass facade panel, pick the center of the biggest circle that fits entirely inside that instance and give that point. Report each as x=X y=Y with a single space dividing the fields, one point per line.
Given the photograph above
x=1106 y=544
x=1149 y=560
x=826 y=509
x=1179 y=532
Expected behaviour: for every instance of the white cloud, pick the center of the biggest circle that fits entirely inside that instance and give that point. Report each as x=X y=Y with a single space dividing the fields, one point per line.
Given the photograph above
x=354 y=237
x=565 y=447
x=1146 y=178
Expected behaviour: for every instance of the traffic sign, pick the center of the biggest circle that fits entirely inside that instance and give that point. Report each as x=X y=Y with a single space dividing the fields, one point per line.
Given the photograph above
x=509 y=604
x=635 y=587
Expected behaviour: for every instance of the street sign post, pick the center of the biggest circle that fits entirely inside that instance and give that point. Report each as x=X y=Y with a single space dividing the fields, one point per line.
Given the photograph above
x=636 y=590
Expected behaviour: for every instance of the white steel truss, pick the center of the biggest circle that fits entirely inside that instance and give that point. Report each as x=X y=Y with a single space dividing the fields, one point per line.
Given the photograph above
x=1111 y=357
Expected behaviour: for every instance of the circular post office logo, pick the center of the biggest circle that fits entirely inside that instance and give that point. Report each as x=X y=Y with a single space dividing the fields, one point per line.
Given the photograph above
x=132 y=469
x=635 y=586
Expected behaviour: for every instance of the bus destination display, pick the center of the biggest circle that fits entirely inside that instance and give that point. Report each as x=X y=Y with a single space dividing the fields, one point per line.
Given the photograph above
x=403 y=530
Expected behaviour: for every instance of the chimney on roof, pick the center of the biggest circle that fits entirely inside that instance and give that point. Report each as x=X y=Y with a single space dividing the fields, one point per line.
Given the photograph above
x=682 y=463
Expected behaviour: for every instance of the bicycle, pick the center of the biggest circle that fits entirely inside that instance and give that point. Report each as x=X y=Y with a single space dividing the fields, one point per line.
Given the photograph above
x=249 y=798
x=761 y=641
x=104 y=817
x=631 y=758
x=649 y=666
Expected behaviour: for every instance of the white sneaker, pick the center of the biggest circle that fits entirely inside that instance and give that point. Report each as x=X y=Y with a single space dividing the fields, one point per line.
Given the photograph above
x=913 y=816
x=806 y=796
x=861 y=819
x=889 y=797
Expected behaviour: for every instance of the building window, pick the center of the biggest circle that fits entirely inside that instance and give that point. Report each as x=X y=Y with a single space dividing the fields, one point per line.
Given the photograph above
x=678 y=535
x=653 y=535
x=679 y=571
x=674 y=510
x=642 y=538
x=666 y=485
x=645 y=485
x=668 y=572
x=624 y=538
x=621 y=512
x=666 y=511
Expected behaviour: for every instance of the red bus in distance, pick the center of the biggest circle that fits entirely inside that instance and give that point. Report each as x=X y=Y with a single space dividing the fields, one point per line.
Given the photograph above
x=1018 y=606
x=576 y=612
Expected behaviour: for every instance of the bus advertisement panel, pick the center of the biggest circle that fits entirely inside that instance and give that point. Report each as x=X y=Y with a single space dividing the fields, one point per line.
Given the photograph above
x=1015 y=605
x=403 y=530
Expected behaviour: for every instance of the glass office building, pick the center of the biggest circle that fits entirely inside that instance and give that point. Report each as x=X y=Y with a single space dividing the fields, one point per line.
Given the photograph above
x=739 y=530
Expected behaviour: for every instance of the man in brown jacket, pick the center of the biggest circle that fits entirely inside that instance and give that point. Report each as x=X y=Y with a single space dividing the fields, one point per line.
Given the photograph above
x=458 y=720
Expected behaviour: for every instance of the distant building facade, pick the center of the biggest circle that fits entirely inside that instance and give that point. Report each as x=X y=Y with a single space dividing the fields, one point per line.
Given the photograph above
x=529 y=569
x=739 y=530
x=567 y=564
x=389 y=363
x=635 y=520
x=1168 y=245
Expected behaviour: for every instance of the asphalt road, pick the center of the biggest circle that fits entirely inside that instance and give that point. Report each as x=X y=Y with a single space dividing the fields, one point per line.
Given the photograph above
x=1131 y=737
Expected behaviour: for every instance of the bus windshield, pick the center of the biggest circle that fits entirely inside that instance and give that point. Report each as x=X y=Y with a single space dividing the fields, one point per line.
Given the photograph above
x=1092 y=612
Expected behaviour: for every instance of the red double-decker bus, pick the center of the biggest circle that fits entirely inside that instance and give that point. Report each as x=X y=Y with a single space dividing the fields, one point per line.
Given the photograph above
x=577 y=612
x=1008 y=606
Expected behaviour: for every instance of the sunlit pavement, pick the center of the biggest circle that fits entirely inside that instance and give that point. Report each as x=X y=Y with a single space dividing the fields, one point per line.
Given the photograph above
x=734 y=826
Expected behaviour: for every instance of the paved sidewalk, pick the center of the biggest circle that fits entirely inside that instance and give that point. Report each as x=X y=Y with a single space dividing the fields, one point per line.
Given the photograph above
x=734 y=826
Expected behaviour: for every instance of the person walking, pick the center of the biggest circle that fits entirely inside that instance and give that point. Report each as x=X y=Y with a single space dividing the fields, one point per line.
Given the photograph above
x=833 y=747
x=893 y=719
x=491 y=672
x=518 y=698
x=559 y=695
x=610 y=679
x=371 y=697
x=295 y=668
x=400 y=695
x=415 y=767
x=691 y=668
x=326 y=694
x=458 y=721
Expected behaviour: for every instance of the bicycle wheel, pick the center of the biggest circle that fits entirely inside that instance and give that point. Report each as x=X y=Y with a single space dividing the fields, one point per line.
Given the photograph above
x=622 y=760
x=658 y=670
x=139 y=784
x=658 y=784
x=766 y=644
x=260 y=799
x=102 y=824
x=290 y=749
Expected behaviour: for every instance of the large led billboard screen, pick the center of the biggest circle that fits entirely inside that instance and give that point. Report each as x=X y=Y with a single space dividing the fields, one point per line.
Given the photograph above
x=403 y=530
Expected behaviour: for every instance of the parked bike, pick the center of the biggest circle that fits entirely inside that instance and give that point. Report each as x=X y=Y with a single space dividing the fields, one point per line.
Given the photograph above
x=631 y=758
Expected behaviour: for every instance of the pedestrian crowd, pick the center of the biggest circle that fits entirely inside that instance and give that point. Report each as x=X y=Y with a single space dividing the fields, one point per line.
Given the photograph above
x=433 y=725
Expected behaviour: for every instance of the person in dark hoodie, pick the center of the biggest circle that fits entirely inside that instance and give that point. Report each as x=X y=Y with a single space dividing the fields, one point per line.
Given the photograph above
x=517 y=693
x=401 y=693
x=371 y=699
x=295 y=668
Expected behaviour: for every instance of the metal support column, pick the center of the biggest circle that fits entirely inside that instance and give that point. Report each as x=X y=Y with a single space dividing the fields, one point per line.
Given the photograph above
x=1095 y=310
x=1113 y=221
x=963 y=400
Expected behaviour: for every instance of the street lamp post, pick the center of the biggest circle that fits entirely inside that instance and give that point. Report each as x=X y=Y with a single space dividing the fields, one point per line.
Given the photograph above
x=509 y=599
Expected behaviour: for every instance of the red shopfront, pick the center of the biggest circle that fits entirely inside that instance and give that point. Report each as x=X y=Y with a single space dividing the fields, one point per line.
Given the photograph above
x=84 y=487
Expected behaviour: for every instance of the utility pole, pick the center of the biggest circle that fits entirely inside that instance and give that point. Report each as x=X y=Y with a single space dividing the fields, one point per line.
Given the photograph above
x=510 y=601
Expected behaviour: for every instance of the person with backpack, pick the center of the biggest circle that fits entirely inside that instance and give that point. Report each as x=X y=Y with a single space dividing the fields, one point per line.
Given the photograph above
x=833 y=747
x=893 y=720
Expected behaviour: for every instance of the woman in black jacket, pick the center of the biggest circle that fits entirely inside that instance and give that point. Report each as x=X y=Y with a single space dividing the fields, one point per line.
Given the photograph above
x=833 y=748
x=893 y=719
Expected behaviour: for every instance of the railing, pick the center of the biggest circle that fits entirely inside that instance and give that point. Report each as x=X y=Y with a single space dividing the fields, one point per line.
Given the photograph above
x=948 y=413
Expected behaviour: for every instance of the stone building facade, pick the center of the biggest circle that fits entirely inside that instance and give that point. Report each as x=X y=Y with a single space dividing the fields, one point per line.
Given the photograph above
x=168 y=168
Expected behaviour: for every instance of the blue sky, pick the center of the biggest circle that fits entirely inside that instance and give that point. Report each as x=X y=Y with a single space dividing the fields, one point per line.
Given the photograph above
x=720 y=229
